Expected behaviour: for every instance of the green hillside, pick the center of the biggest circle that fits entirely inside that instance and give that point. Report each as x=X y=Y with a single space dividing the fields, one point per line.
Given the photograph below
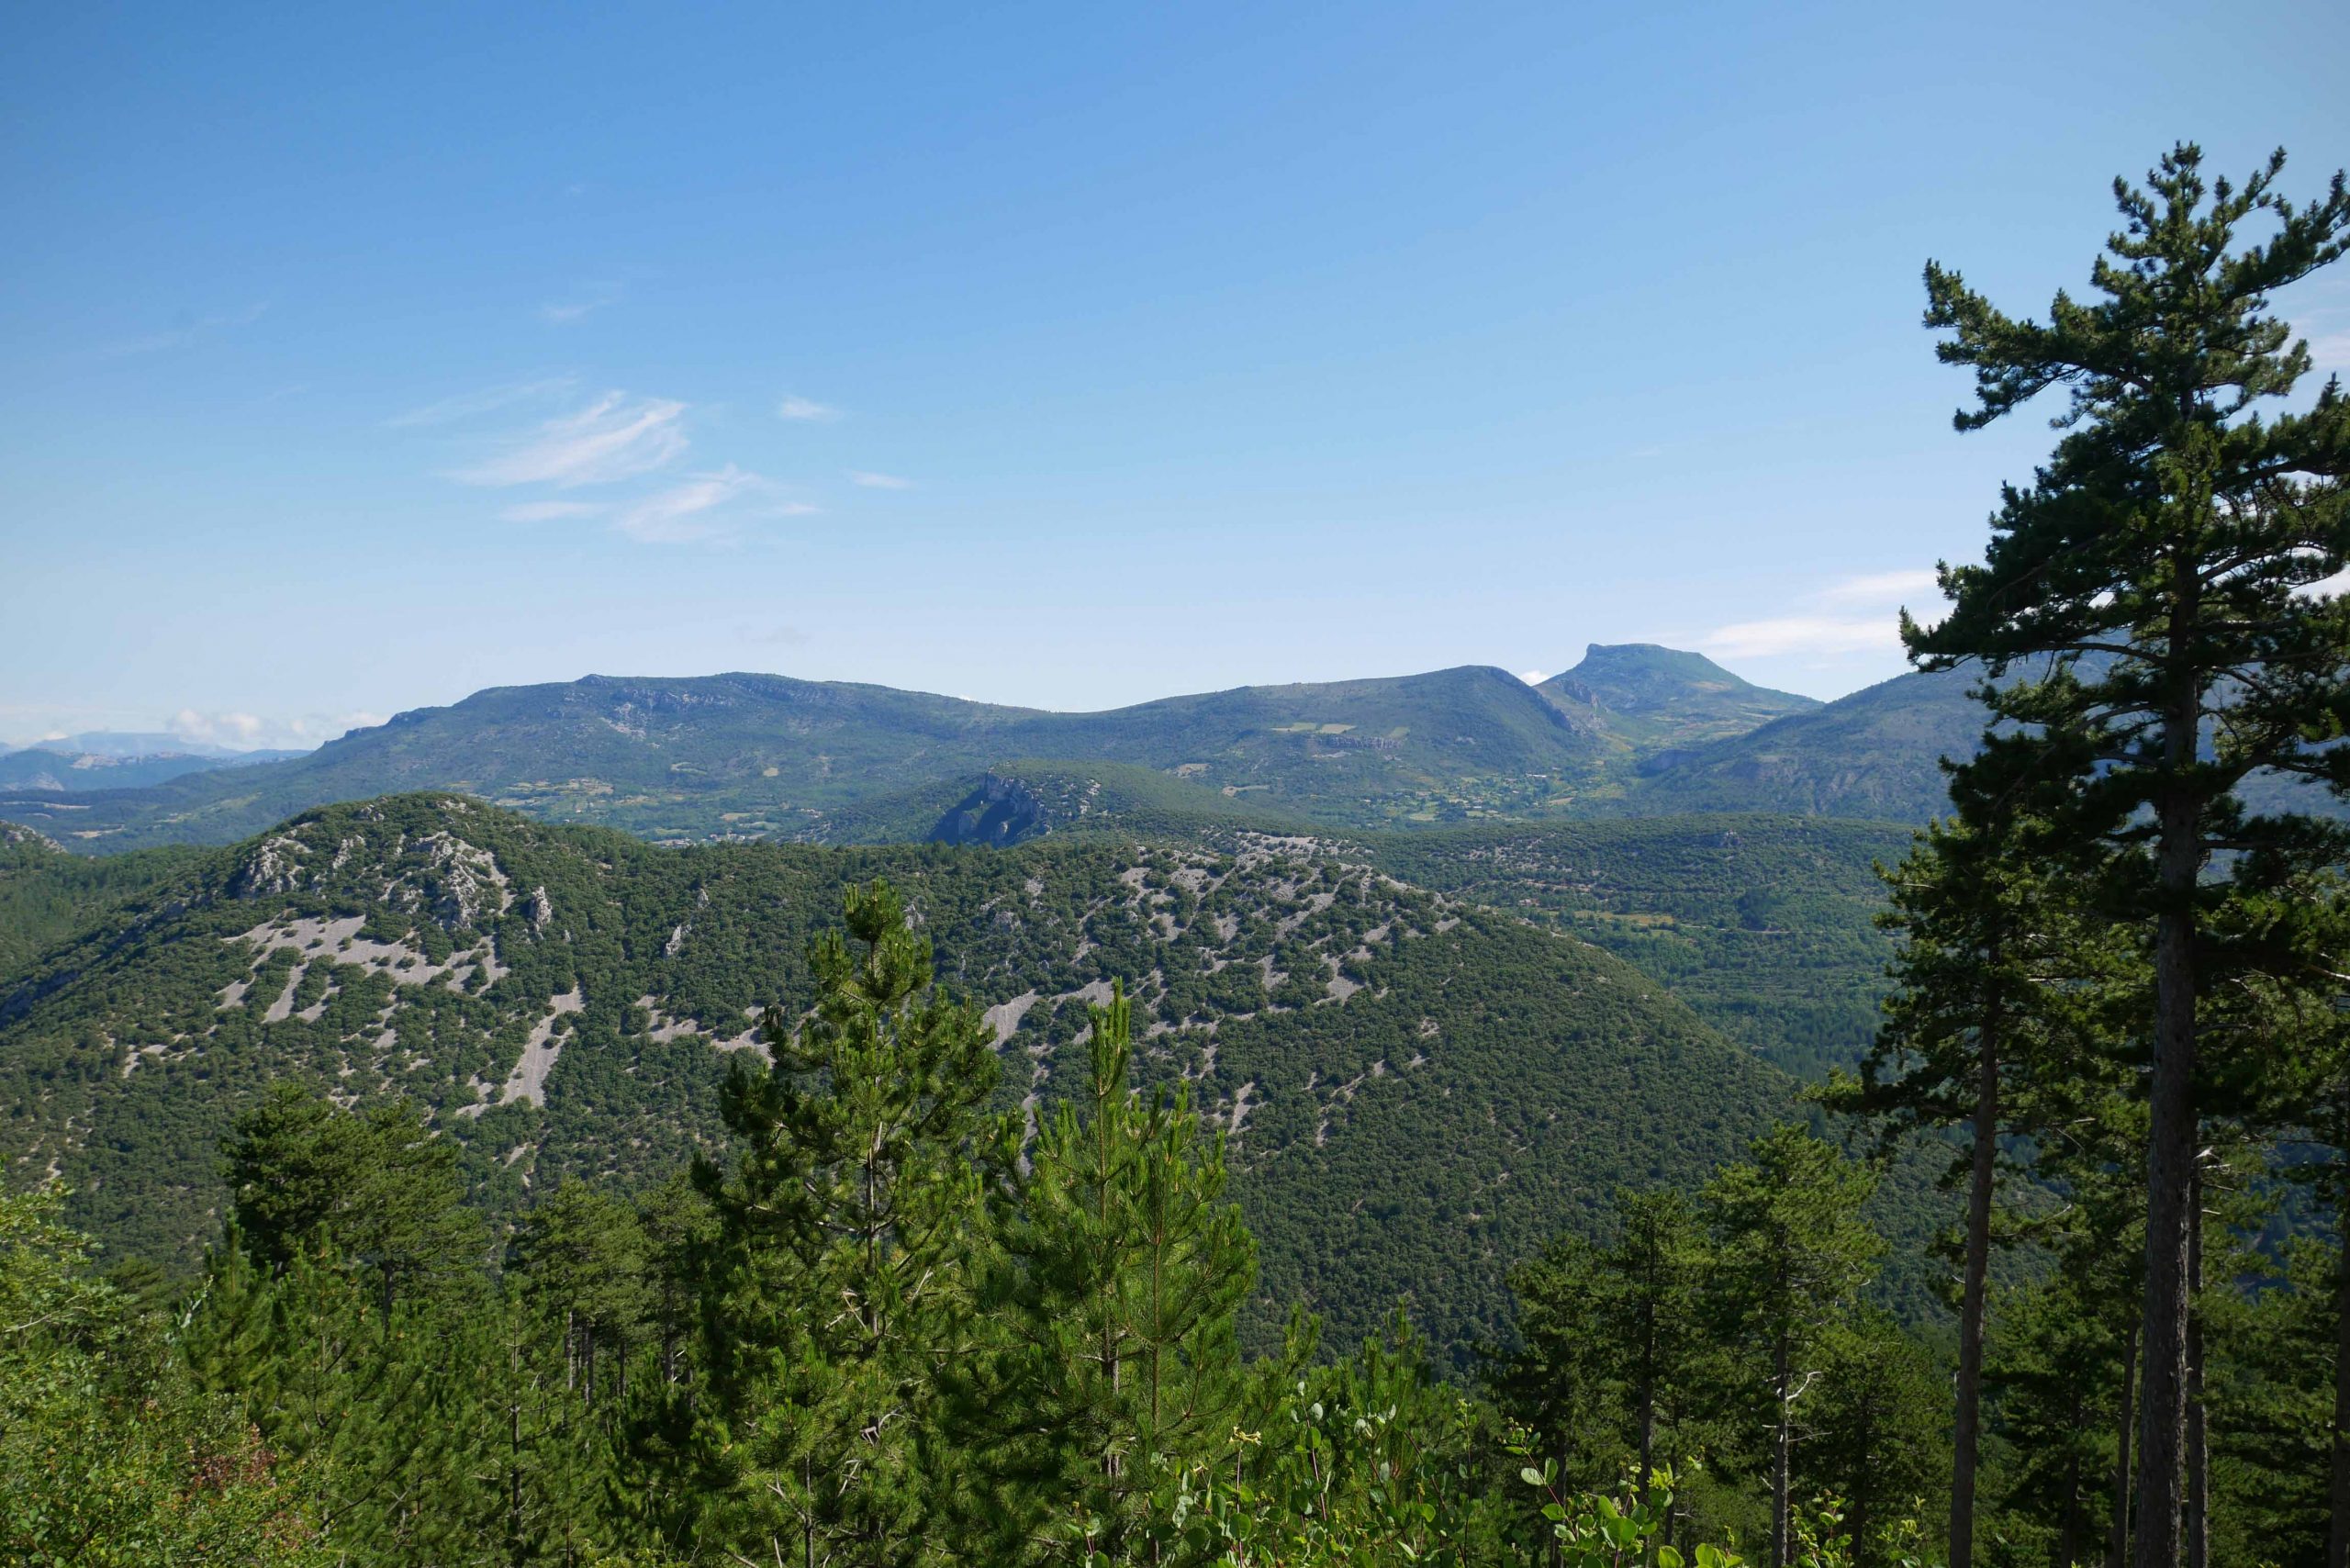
x=1417 y=1091
x=1875 y=753
x=48 y=896
x=1766 y=926
x=1353 y=753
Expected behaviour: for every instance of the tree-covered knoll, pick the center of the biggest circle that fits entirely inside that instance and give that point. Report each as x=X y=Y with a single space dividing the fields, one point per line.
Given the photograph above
x=1415 y=1089
x=1015 y=801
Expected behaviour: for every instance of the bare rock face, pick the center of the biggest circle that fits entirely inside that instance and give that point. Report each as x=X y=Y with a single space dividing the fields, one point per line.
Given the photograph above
x=274 y=868
x=438 y=876
x=11 y=834
x=460 y=881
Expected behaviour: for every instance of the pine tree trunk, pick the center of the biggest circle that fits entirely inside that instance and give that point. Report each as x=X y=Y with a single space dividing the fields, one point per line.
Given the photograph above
x=1647 y=1433
x=1967 y=1434
x=1647 y=1390
x=2199 y=1451
x=2118 y=1539
x=1859 y=1518
x=2170 y=1136
x=2068 y=1539
x=513 y=1442
x=2338 y=1543
x=1780 y=1458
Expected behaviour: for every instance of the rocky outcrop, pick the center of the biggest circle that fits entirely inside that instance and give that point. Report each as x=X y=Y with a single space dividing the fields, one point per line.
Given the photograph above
x=457 y=884
x=12 y=834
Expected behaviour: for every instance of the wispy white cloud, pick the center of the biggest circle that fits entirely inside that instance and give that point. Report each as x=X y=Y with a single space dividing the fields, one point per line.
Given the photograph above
x=550 y=511
x=1532 y=677
x=616 y=437
x=2327 y=588
x=1849 y=616
x=686 y=512
x=865 y=479
x=2330 y=352
x=187 y=331
x=217 y=729
x=1826 y=634
x=586 y=300
x=1880 y=587
x=338 y=726
x=487 y=400
x=805 y=409
x=252 y=732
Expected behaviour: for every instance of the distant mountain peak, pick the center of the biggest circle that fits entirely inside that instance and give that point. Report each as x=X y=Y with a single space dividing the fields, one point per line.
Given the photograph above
x=1629 y=674
x=1651 y=698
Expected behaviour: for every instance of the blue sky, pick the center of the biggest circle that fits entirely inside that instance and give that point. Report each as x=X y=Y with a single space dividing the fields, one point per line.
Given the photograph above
x=1063 y=355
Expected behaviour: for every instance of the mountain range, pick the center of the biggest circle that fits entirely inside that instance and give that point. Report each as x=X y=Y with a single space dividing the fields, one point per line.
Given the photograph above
x=1632 y=729
x=56 y=767
x=123 y=745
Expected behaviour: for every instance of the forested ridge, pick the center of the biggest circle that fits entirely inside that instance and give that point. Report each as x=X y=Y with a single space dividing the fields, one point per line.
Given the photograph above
x=48 y=896
x=747 y=755
x=1413 y=1087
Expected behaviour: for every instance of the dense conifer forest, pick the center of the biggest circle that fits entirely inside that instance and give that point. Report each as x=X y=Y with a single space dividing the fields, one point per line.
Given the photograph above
x=1411 y=1083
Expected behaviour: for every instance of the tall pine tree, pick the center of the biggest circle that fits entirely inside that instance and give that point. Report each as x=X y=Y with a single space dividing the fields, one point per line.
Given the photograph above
x=2161 y=556
x=2002 y=983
